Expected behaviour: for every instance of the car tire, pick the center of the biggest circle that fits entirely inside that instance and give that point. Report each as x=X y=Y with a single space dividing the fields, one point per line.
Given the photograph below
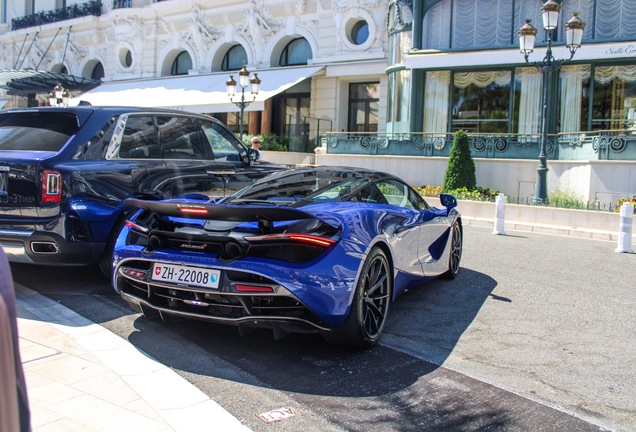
x=364 y=325
x=106 y=261
x=455 y=255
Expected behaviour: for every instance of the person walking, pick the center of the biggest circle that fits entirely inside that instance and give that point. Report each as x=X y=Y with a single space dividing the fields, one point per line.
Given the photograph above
x=256 y=144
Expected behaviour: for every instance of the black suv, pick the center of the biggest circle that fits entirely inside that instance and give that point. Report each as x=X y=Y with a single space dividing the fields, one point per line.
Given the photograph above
x=64 y=173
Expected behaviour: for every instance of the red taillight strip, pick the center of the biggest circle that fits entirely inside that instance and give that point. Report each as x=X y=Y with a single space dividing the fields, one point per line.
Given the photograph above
x=51 y=187
x=321 y=241
x=193 y=210
x=133 y=225
x=253 y=288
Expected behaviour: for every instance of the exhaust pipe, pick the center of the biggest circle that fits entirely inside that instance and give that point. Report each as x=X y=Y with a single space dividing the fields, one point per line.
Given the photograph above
x=44 y=248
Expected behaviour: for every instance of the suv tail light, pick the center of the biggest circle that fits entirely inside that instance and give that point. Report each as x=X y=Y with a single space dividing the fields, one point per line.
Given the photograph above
x=51 y=187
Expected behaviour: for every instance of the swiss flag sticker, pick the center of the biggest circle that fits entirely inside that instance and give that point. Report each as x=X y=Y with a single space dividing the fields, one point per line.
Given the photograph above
x=157 y=270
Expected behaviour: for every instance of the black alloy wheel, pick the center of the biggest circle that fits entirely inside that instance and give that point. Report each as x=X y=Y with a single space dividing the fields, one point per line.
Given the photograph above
x=370 y=307
x=455 y=255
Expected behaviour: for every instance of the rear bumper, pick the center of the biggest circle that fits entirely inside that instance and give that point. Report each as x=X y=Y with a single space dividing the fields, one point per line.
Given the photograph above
x=47 y=248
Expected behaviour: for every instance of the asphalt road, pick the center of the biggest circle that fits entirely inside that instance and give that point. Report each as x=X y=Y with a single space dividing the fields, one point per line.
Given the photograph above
x=537 y=333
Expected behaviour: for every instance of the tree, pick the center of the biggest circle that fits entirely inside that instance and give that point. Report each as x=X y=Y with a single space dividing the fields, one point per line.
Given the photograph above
x=461 y=166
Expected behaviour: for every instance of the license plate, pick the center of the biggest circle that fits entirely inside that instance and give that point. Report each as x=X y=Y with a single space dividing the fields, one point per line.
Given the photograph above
x=194 y=276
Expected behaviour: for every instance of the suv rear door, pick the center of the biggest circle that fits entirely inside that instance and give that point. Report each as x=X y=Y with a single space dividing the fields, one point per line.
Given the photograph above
x=27 y=139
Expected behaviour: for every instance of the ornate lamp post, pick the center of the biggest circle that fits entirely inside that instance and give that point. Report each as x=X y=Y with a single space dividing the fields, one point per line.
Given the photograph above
x=59 y=96
x=527 y=35
x=244 y=80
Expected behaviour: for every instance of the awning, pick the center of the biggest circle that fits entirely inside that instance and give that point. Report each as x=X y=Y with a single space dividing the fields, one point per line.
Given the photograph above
x=195 y=93
x=22 y=82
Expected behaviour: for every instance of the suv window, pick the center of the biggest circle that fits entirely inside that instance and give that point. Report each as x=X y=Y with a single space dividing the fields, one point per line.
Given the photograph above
x=36 y=131
x=224 y=144
x=139 y=140
x=180 y=138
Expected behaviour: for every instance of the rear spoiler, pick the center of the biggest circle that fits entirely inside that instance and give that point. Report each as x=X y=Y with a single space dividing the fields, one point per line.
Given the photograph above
x=210 y=211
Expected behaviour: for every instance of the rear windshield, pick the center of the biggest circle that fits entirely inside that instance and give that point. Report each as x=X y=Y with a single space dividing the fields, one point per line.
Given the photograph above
x=36 y=131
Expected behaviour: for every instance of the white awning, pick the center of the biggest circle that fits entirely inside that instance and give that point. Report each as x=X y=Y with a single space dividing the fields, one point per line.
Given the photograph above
x=195 y=93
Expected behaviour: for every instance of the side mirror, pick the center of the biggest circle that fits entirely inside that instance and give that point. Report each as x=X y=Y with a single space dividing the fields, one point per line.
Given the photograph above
x=448 y=201
x=253 y=154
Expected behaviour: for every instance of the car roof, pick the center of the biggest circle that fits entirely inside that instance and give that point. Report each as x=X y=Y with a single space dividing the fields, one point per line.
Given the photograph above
x=344 y=172
x=110 y=110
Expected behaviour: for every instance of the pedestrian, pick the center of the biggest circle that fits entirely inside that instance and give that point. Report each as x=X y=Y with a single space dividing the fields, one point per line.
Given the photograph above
x=256 y=144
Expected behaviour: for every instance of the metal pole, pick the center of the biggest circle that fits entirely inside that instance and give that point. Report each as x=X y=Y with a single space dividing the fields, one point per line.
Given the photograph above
x=242 y=106
x=541 y=188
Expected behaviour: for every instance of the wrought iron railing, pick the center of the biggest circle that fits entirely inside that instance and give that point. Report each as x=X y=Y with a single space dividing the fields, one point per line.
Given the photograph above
x=62 y=14
x=121 y=4
x=603 y=145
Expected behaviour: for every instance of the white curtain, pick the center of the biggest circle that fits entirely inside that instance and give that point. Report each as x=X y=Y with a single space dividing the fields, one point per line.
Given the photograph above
x=481 y=23
x=572 y=78
x=615 y=18
x=606 y=74
x=586 y=10
x=530 y=80
x=436 y=27
x=529 y=9
x=481 y=79
x=436 y=102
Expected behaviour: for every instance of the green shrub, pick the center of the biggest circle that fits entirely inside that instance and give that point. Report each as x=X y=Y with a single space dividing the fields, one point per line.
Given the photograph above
x=460 y=172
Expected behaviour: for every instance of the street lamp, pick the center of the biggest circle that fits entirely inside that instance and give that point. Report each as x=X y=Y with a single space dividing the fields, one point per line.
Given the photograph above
x=527 y=36
x=244 y=81
x=59 y=96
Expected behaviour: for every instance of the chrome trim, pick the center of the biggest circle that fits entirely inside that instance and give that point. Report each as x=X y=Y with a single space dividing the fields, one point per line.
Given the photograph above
x=16 y=232
x=57 y=249
x=221 y=172
x=16 y=254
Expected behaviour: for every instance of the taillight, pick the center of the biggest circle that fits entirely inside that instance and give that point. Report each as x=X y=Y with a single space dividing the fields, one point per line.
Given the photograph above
x=193 y=210
x=253 y=288
x=295 y=238
x=51 y=187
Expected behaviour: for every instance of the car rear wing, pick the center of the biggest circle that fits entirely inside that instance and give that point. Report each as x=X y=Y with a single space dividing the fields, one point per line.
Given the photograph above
x=264 y=215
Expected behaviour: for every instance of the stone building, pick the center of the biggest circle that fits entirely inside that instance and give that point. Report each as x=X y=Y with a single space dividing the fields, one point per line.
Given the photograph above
x=322 y=63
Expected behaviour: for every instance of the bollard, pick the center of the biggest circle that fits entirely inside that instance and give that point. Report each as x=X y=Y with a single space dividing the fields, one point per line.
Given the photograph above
x=625 y=229
x=500 y=209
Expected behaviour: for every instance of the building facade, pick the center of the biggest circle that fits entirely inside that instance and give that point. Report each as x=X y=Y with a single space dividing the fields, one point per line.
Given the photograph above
x=463 y=70
x=322 y=63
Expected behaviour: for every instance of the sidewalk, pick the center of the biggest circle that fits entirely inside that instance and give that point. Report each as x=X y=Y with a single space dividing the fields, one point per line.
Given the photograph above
x=82 y=377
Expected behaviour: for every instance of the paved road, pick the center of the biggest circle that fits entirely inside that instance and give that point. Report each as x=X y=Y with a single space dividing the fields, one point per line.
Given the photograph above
x=537 y=333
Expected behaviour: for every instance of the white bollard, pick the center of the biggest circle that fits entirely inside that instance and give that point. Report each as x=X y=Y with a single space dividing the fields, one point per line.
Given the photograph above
x=625 y=229
x=500 y=210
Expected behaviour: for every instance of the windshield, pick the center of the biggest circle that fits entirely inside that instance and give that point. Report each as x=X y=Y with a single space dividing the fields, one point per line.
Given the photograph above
x=300 y=187
x=36 y=131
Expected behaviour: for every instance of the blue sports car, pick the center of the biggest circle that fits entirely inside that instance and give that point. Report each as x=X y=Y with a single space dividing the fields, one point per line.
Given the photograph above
x=323 y=249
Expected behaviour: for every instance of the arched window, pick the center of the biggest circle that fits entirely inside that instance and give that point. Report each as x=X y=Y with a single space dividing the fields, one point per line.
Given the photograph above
x=182 y=64
x=63 y=70
x=235 y=58
x=297 y=52
x=98 y=72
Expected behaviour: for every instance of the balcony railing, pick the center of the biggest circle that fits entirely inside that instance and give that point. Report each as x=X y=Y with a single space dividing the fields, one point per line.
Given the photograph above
x=597 y=145
x=121 y=4
x=47 y=17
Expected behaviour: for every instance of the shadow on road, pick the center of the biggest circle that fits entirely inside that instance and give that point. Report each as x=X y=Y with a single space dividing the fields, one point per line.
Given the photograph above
x=432 y=317
x=437 y=312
